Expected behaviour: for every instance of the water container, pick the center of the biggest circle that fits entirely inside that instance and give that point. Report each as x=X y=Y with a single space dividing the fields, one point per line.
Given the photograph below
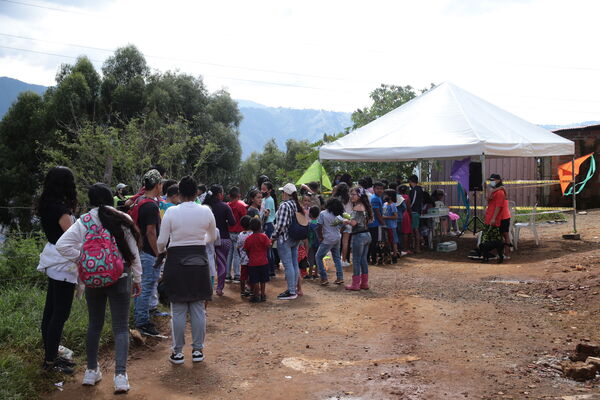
x=447 y=247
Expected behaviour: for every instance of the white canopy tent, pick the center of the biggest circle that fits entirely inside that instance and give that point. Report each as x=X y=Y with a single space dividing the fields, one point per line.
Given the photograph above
x=447 y=122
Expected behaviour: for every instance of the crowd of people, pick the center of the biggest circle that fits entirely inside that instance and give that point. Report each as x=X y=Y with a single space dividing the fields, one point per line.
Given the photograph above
x=184 y=241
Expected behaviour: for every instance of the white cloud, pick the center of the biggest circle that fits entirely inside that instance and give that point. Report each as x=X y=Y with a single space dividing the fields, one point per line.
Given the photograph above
x=534 y=58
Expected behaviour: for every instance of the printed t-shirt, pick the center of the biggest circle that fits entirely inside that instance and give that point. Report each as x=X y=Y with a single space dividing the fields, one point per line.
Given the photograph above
x=388 y=211
x=49 y=215
x=256 y=246
x=148 y=214
x=164 y=206
x=331 y=232
x=238 y=208
x=240 y=246
x=376 y=203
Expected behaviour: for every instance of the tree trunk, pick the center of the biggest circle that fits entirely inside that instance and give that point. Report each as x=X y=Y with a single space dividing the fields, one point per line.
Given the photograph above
x=108 y=170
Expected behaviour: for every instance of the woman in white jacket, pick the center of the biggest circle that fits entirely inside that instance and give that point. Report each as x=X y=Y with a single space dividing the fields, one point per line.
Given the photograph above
x=127 y=238
x=55 y=209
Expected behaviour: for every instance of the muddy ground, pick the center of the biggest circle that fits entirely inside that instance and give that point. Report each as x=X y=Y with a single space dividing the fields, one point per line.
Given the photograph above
x=433 y=326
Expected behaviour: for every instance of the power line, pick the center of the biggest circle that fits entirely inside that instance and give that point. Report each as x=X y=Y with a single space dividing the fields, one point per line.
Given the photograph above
x=189 y=61
x=64 y=10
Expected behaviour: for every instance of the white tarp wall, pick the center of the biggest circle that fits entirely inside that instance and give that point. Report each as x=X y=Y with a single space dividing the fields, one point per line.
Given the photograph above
x=446 y=122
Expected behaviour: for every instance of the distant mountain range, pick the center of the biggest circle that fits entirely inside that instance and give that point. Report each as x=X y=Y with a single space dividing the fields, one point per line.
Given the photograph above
x=260 y=123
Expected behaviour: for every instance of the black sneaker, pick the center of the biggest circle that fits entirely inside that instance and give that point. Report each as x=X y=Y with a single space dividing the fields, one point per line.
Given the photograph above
x=228 y=279
x=246 y=293
x=287 y=296
x=64 y=361
x=149 y=330
x=57 y=367
x=307 y=277
x=197 y=356
x=236 y=279
x=177 y=358
x=263 y=298
x=255 y=299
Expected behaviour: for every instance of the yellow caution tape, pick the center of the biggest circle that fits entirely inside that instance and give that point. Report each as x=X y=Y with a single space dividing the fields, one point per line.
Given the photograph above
x=516 y=182
x=565 y=209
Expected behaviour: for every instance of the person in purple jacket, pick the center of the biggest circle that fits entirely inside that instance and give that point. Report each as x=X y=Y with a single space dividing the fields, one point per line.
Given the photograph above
x=224 y=219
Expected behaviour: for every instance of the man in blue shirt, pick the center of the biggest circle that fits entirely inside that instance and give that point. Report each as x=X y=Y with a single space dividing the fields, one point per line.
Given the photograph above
x=377 y=205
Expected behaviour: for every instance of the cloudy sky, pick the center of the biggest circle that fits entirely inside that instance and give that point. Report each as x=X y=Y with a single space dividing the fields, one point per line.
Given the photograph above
x=536 y=58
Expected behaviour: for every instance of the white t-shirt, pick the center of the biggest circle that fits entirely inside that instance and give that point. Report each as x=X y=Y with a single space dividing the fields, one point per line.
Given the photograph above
x=188 y=224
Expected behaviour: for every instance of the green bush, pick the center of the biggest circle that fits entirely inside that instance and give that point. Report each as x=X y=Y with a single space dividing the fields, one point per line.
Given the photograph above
x=19 y=257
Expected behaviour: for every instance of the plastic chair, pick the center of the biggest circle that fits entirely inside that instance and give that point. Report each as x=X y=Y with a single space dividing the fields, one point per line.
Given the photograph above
x=530 y=225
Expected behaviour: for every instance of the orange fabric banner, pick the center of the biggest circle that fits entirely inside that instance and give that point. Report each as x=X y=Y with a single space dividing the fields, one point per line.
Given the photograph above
x=565 y=172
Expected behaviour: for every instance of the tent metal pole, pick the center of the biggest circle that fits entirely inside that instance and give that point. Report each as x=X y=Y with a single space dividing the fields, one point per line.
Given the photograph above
x=483 y=175
x=574 y=195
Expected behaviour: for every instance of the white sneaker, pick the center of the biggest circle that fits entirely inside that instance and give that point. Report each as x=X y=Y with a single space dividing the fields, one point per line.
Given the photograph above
x=197 y=356
x=345 y=264
x=121 y=383
x=91 y=377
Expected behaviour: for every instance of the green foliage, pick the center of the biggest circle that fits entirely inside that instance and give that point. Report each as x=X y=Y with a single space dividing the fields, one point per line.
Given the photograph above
x=112 y=129
x=19 y=256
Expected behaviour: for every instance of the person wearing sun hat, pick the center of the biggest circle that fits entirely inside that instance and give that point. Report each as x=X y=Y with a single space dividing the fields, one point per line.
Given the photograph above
x=287 y=246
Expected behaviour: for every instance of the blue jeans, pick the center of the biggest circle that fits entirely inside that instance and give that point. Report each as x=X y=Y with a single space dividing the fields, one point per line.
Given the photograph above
x=149 y=277
x=324 y=248
x=288 y=253
x=360 y=253
x=233 y=258
x=268 y=229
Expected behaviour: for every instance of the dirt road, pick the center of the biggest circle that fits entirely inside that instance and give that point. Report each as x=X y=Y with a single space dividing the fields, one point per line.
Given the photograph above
x=433 y=326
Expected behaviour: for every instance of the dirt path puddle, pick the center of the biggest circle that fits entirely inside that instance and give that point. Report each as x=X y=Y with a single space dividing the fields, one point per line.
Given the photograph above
x=317 y=366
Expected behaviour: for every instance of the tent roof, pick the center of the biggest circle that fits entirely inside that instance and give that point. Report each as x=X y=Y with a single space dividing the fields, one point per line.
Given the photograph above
x=446 y=122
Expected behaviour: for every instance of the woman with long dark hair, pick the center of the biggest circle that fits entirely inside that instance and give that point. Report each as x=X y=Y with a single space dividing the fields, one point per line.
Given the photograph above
x=362 y=215
x=224 y=219
x=187 y=229
x=342 y=193
x=128 y=241
x=55 y=209
x=286 y=245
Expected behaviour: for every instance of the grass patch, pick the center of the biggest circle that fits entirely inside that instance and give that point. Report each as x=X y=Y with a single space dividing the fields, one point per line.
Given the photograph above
x=22 y=299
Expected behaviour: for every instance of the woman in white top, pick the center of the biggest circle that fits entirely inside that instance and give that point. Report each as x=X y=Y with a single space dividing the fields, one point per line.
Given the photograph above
x=127 y=238
x=187 y=228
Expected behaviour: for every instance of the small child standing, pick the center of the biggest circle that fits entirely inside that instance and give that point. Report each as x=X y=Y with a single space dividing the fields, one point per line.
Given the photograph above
x=313 y=241
x=245 y=234
x=330 y=234
x=257 y=245
x=390 y=215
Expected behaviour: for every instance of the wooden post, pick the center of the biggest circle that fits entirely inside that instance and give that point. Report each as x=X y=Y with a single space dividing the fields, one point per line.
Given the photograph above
x=574 y=196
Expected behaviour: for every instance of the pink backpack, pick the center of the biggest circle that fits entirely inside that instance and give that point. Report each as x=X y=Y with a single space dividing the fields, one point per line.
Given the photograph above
x=100 y=264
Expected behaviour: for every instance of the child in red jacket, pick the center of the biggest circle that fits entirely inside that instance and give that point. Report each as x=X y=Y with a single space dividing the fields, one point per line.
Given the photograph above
x=257 y=246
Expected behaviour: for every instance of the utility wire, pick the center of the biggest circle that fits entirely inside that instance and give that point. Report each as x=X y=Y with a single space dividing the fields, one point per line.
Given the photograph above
x=64 y=10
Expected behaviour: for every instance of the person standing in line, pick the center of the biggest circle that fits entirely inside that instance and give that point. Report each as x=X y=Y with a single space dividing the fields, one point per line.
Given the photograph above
x=224 y=219
x=148 y=220
x=238 y=208
x=378 y=221
x=416 y=206
x=361 y=214
x=342 y=192
x=256 y=246
x=406 y=226
x=267 y=210
x=329 y=231
x=497 y=185
x=120 y=198
x=187 y=228
x=255 y=204
x=127 y=238
x=390 y=215
x=286 y=245
x=55 y=209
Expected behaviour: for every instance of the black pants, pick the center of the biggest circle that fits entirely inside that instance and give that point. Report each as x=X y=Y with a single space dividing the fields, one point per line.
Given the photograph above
x=373 y=248
x=59 y=299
